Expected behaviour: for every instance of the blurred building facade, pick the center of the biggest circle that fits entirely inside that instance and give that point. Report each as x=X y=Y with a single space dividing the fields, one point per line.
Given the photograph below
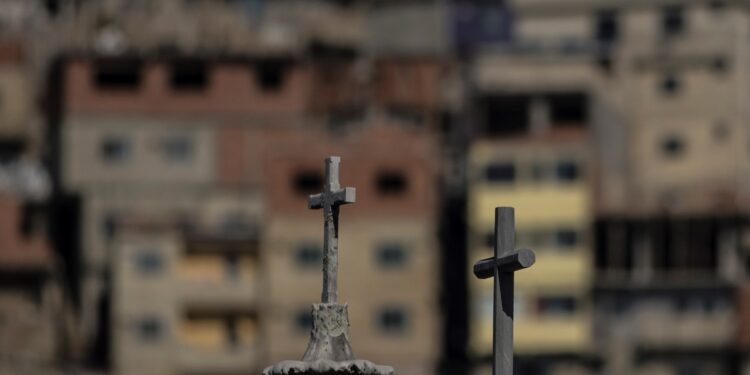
x=669 y=208
x=627 y=120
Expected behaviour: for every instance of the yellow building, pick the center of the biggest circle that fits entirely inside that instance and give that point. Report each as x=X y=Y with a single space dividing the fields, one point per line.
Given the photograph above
x=546 y=179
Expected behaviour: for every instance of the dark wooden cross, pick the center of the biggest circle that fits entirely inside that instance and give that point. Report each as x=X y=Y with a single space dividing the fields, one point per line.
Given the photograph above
x=329 y=200
x=506 y=261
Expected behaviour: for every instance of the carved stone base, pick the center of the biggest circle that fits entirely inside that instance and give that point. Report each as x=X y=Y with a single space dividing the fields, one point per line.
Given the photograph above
x=326 y=367
x=329 y=338
x=329 y=351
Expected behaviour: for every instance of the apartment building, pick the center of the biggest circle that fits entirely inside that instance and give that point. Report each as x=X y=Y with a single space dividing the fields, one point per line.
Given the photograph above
x=162 y=139
x=388 y=252
x=663 y=83
x=546 y=179
x=33 y=314
x=186 y=299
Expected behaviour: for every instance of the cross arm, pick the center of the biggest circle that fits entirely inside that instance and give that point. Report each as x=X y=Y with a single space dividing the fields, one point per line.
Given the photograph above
x=342 y=196
x=512 y=262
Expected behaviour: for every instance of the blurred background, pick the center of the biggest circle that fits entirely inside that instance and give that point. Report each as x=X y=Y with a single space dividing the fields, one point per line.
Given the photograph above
x=156 y=158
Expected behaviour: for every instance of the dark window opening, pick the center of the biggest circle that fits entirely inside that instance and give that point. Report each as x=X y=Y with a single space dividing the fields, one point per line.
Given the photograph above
x=109 y=226
x=392 y=320
x=115 y=149
x=568 y=109
x=232 y=334
x=307 y=182
x=303 y=321
x=11 y=149
x=672 y=20
x=672 y=146
x=309 y=256
x=391 y=255
x=189 y=76
x=566 y=238
x=391 y=183
x=149 y=263
x=607 y=28
x=149 y=329
x=717 y=5
x=501 y=172
x=506 y=115
x=177 y=148
x=719 y=65
x=406 y=115
x=232 y=266
x=270 y=75
x=567 y=171
x=118 y=75
x=670 y=85
x=489 y=240
x=557 y=305
x=606 y=63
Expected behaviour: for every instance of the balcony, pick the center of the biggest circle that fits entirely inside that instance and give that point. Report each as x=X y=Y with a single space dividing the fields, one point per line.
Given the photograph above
x=234 y=294
x=664 y=329
x=240 y=359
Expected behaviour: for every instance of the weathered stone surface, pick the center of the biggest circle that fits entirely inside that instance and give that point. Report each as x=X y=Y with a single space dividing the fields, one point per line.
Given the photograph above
x=330 y=351
x=328 y=367
x=329 y=338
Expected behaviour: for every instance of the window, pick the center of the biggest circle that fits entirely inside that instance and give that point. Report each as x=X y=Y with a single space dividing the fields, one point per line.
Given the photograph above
x=118 y=75
x=307 y=182
x=566 y=238
x=189 y=76
x=391 y=255
x=233 y=337
x=672 y=146
x=607 y=28
x=149 y=329
x=557 y=305
x=109 y=226
x=115 y=149
x=719 y=65
x=149 y=262
x=568 y=109
x=717 y=5
x=392 y=320
x=670 y=84
x=505 y=115
x=567 y=171
x=270 y=75
x=232 y=266
x=236 y=222
x=489 y=240
x=391 y=183
x=178 y=148
x=500 y=172
x=303 y=321
x=309 y=256
x=672 y=20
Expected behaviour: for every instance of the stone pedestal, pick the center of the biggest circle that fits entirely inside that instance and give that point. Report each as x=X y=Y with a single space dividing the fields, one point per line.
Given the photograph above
x=329 y=350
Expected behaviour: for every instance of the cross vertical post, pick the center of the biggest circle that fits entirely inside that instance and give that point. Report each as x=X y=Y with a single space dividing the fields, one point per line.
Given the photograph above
x=330 y=200
x=501 y=268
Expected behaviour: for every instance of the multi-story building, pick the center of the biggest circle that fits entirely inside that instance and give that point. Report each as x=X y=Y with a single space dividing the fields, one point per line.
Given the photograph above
x=186 y=298
x=663 y=84
x=33 y=315
x=388 y=248
x=546 y=179
x=161 y=139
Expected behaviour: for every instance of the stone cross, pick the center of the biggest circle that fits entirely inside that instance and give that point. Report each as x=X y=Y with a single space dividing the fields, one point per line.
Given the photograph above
x=501 y=267
x=329 y=350
x=329 y=200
